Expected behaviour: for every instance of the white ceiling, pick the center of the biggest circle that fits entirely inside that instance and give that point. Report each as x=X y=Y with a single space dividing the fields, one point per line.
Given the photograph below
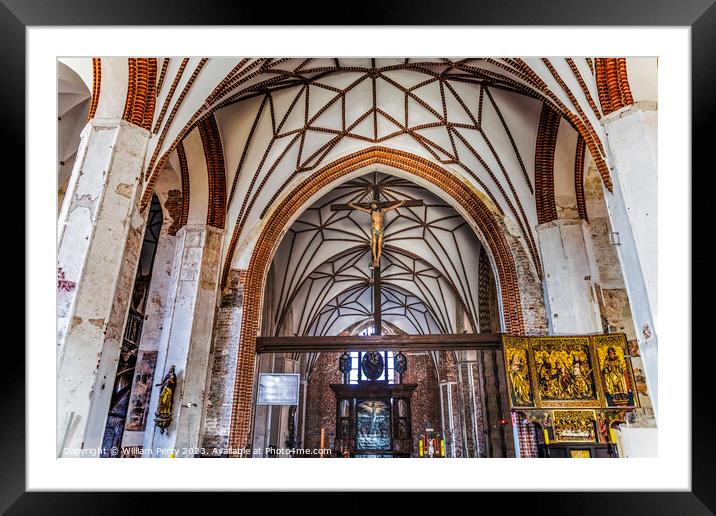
x=281 y=119
x=320 y=280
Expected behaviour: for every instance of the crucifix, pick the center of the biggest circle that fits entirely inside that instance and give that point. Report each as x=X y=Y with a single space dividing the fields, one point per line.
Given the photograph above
x=376 y=209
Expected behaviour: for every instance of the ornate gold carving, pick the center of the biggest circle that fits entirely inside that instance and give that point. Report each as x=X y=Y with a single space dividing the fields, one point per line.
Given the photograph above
x=563 y=372
x=616 y=371
x=518 y=373
x=575 y=426
x=163 y=415
x=569 y=372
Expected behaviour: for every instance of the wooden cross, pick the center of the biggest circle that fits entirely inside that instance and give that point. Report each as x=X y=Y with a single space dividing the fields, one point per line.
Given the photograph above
x=376 y=208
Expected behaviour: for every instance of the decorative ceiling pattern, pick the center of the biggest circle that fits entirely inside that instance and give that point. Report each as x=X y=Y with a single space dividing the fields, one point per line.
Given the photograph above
x=280 y=118
x=321 y=283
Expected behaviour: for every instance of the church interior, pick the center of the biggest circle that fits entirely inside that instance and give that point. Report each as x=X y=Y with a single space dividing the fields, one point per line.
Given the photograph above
x=357 y=257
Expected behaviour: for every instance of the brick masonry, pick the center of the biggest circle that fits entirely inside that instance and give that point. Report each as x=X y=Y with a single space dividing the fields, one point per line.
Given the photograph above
x=320 y=400
x=526 y=435
x=223 y=361
x=425 y=403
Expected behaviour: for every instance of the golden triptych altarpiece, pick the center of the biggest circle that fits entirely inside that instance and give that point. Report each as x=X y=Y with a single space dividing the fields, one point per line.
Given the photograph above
x=576 y=388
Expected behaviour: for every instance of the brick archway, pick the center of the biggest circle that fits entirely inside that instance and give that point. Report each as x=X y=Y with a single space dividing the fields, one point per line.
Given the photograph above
x=273 y=231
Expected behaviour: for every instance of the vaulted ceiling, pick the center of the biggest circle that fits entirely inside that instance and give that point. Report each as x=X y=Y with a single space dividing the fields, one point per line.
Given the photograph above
x=240 y=132
x=73 y=99
x=321 y=284
x=280 y=119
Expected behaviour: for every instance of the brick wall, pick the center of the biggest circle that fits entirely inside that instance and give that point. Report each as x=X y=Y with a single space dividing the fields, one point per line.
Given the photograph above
x=526 y=436
x=425 y=403
x=222 y=364
x=320 y=400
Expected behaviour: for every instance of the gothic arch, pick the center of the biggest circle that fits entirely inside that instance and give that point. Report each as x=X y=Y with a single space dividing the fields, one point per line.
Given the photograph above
x=278 y=220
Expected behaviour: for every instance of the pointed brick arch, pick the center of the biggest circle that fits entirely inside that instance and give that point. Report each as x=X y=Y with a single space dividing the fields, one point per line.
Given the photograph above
x=613 y=84
x=279 y=219
x=214 y=155
x=141 y=92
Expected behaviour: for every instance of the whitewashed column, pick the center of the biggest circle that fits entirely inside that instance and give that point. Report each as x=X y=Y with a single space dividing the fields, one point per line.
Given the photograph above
x=448 y=390
x=186 y=343
x=633 y=211
x=156 y=308
x=569 y=277
x=100 y=233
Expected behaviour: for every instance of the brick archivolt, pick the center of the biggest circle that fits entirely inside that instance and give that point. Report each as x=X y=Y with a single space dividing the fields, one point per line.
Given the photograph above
x=141 y=92
x=254 y=77
x=280 y=218
x=214 y=155
x=612 y=84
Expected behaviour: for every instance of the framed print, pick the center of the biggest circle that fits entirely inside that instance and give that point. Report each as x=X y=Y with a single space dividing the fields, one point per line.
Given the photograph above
x=440 y=244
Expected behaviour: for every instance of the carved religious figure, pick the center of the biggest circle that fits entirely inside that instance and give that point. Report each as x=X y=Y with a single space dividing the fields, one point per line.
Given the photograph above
x=613 y=371
x=520 y=382
x=603 y=428
x=163 y=415
x=582 y=385
x=377 y=212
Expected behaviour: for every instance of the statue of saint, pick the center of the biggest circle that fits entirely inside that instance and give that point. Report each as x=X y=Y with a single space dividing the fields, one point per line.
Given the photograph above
x=163 y=415
x=603 y=428
x=613 y=371
x=377 y=212
x=582 y=387
x=520 y=382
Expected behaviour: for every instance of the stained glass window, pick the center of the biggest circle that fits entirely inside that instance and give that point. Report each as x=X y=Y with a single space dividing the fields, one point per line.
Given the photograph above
x=357 y=357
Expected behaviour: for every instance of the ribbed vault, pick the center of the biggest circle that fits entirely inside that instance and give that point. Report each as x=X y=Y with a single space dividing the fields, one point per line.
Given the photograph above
x=320 y=281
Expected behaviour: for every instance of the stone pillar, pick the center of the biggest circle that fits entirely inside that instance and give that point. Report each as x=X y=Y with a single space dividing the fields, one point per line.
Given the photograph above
x=301 y=425
x=279 y=419
x=569 y=277
x=632 y=151
x=100 y=233
x=158 y=298
x=189 y=323
x=224 y=354
x=450 y=418
x=260 y=438
x=471 y=405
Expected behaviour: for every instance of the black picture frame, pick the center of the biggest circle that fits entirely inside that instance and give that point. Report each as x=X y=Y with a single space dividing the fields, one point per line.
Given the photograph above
x=700 y=15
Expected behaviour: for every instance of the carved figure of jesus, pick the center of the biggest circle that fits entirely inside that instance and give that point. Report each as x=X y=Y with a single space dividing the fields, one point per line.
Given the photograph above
x=377 y=231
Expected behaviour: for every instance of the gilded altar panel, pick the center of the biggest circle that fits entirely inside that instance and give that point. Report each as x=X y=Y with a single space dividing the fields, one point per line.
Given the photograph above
x=563 y=372
x=518 y=372
x=575 y=426
x=615 y=371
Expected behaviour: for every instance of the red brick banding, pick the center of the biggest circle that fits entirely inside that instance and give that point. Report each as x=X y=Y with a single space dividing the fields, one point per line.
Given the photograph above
x=594 y=144
x=185 y=187
x=170 y=94
x=162 y=74
x=613 y=84
x=96 y=83
x=579 y=178
x=544 y=164
x=151 y=174
x=583 y=85
x=273 y=230
x=214 y=154
x=141 y=91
